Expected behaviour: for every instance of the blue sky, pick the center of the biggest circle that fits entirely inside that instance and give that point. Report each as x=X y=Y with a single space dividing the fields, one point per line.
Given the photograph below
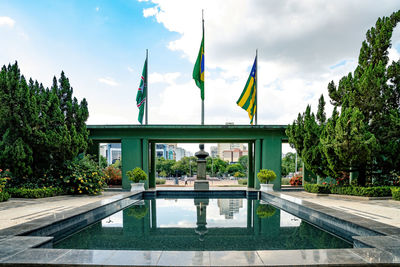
x=101 y=47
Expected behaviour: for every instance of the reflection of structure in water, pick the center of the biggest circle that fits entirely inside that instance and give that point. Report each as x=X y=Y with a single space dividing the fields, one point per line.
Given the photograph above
x=229 y=207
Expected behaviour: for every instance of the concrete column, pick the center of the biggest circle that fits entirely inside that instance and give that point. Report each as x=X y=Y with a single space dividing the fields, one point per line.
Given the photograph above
x=249 y=212
x=131 y=150
x=250 y=166
x=145 y=160
x=258 y=160
x=272 y=157
x=152 y=175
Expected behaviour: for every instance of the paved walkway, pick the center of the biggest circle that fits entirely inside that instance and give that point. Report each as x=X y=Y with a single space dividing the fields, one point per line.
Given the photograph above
x=21 y=210
x=384 y=211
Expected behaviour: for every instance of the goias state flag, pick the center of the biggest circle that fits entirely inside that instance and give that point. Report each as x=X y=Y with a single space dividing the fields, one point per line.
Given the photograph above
x=198 y=71
x=247 y=99
x=141 y=94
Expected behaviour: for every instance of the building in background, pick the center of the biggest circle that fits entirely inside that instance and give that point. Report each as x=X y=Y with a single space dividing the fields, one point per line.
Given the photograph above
x=214 y=151
x=231 y=152
x=111 y=151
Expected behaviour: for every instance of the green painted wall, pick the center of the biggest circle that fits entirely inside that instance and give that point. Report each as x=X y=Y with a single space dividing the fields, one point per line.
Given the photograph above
x=271 y=148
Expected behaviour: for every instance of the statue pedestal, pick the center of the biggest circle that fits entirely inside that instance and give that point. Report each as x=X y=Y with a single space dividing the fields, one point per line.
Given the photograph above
x=201 y=185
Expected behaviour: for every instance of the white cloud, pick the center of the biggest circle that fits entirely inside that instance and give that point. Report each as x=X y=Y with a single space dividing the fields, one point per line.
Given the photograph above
x=7 y=21
x=298 y=43
x=109 y=81
x=131 y=70
x=97 y=9
x=149 y=12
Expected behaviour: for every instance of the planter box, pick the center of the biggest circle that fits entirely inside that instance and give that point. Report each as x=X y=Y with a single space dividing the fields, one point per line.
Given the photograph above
x=137 y=187
x=266 y=187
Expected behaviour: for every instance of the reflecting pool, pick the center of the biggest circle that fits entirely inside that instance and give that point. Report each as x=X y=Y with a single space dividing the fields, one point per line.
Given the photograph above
x=201 y=224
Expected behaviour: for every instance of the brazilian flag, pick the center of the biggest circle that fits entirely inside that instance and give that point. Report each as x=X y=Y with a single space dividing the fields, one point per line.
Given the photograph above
x=141 y=94
x=247 y=99
x=198 y=71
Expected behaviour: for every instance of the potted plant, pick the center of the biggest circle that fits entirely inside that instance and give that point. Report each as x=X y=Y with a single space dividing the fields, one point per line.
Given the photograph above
x=138 y=177
x=265 y=211
x=265 y=176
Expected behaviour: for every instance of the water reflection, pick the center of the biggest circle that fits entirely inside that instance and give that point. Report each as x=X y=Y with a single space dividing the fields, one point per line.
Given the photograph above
x=201 y=224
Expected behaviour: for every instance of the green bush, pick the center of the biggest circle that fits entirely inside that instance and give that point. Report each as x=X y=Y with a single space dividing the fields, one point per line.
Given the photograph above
x=266 y=176
x=285 y=181
x=160 y=181
x=376 y=191
x=396 y=193
x=136 y=175
x=4 y=196
x=242 y=181
x=35 y=193
x=84 y=177
x=315 y=188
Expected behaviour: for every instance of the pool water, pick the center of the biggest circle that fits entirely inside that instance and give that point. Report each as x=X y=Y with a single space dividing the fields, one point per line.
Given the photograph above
x=201 y=224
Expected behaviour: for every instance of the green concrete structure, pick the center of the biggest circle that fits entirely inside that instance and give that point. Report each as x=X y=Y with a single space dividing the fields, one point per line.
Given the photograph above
x=138 y=145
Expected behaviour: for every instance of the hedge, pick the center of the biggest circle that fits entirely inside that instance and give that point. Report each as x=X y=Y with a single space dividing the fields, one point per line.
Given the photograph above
x=242 y=181
x=315 y=188
x=376 y=191
x=4 y=196
x=160 y=181
x=35 y=193
x=396 y=193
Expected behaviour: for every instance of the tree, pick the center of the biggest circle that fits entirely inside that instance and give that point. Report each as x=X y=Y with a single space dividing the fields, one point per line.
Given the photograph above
x=289 y=163
x=232 y=168
x=363 y=132
x=218 y=164
x=244 y=161
x=39 y=128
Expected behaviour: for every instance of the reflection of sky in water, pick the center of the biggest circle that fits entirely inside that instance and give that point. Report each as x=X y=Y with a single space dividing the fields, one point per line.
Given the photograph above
x=289 y=220
x=220 y=213
x=114 y=220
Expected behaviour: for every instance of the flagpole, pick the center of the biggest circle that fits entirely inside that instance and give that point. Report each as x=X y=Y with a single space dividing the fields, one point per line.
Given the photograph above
x=147 y=88
x=202 y=100
x=256 y=83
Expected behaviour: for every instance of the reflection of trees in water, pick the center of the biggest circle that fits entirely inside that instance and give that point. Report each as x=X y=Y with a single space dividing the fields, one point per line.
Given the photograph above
x=265 y=211
x=138 y=211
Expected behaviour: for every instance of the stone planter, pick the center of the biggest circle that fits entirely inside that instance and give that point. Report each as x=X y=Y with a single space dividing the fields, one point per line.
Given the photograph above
x=137 y=187
x=266 y=187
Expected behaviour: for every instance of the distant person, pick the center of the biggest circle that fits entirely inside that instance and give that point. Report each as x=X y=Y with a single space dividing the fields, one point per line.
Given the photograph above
x=186 y=181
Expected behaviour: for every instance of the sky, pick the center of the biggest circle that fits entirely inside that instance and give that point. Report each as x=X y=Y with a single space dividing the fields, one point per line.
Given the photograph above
x=101 y=46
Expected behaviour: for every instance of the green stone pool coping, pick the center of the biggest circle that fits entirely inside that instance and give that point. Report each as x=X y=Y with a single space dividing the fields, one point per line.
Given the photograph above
x=380 y=247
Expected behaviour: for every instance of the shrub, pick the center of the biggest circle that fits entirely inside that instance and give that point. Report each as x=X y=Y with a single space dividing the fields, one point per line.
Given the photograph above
x=266 y=176
x=296 y=180
x=242 y=181
x=4 y=177
x=315 y=188
x=4 y=196
x=239 y=174
x=136 y=175
x=396 y=193
x=160 y=181
x=265 y=211
x=36 y=192
x=285 y=181
x=84 y=177
x=113 y=175
x=376 y=191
